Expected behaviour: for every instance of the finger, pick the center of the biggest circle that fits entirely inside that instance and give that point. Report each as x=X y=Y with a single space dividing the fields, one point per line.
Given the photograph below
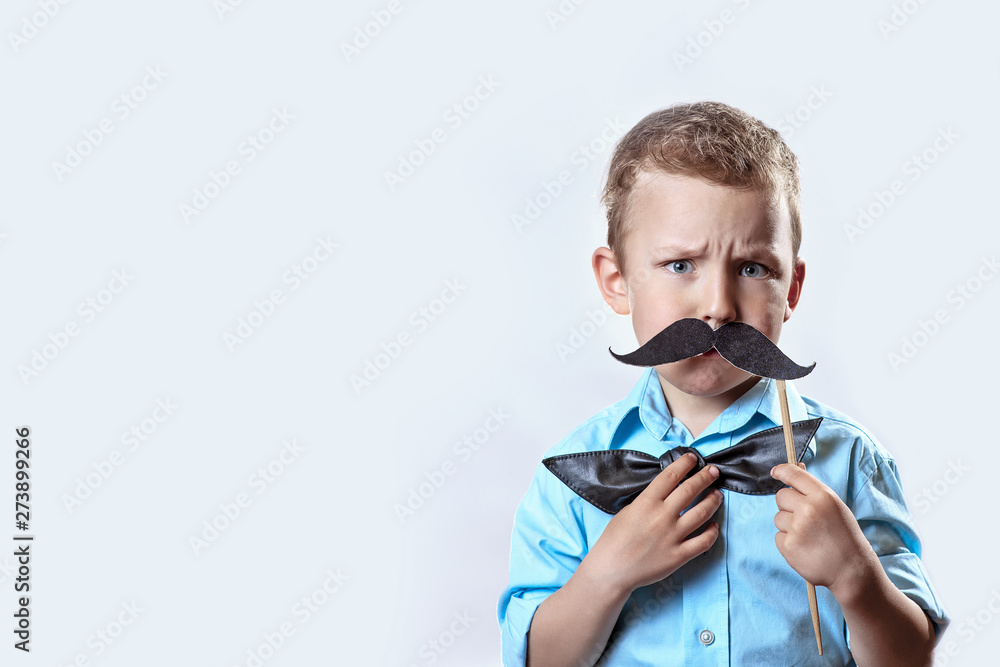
x=779 y=541
x=788 y=499
x=700 y=543
x=691 y=520
x=796 y=477
x=691 y=488
x=783 y=521
x=668 y=478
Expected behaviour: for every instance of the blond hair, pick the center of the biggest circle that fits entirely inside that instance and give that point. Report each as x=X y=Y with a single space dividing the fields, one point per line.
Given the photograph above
x=708 y=140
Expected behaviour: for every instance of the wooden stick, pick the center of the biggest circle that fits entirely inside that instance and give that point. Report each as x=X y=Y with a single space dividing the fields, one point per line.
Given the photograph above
x=786 y=425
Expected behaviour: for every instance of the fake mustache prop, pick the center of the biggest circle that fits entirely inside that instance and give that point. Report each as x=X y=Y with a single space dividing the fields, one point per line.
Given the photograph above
x=737 y=342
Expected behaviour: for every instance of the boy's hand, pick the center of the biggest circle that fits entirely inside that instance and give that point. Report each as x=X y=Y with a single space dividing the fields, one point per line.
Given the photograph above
x=822 y=541
x=648 y=540
x=818 y=535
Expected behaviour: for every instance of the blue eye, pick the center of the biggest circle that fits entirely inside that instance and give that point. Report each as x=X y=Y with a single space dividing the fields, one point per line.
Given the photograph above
x=680 y=266
x=753 y=270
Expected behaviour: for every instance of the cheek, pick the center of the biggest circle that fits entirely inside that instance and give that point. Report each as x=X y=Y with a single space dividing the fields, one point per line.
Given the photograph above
x=666 y=295
x=770 y=296
x=659 y=311
x=764 y=308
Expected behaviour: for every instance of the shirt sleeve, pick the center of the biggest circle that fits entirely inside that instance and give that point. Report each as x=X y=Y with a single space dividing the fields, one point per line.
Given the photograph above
x=547 y=544
x=881 y=512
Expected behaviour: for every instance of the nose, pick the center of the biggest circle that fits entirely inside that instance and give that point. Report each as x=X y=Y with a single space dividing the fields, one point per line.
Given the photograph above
x=718 y=302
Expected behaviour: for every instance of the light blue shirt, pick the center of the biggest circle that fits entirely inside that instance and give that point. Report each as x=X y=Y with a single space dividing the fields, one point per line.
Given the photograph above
x=739 y=603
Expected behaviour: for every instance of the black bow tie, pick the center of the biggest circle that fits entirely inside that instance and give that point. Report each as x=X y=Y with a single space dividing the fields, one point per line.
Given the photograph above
x=611 y=479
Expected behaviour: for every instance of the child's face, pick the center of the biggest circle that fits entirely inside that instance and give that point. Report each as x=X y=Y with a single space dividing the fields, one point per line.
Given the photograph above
x=713 y=253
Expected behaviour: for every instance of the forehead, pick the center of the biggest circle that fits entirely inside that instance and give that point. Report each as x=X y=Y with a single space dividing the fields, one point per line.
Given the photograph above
x=667 y=208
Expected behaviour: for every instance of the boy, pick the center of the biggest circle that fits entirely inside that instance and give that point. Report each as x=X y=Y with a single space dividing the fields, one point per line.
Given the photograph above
x=703 y=222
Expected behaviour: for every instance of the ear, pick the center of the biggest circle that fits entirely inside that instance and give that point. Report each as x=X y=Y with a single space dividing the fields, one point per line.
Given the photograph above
x=795 y=288
x=610 y=280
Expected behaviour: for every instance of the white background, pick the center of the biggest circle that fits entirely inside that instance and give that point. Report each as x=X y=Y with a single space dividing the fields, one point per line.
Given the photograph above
x=886 y=96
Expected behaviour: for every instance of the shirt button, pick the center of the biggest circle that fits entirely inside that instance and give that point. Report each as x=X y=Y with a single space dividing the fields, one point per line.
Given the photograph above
x=706 y=637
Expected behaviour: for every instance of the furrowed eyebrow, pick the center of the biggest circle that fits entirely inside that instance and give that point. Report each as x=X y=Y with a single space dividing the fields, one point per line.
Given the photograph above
x=677 y=250
x=763 y=253
x=764 y=250
x=768 y=253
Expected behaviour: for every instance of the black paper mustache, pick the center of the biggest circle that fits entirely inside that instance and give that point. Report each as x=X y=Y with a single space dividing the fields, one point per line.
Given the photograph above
x=737 y=342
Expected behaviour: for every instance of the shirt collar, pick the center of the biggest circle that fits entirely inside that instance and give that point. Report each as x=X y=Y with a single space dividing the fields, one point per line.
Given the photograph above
x=653 y=411
x=647 y=397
